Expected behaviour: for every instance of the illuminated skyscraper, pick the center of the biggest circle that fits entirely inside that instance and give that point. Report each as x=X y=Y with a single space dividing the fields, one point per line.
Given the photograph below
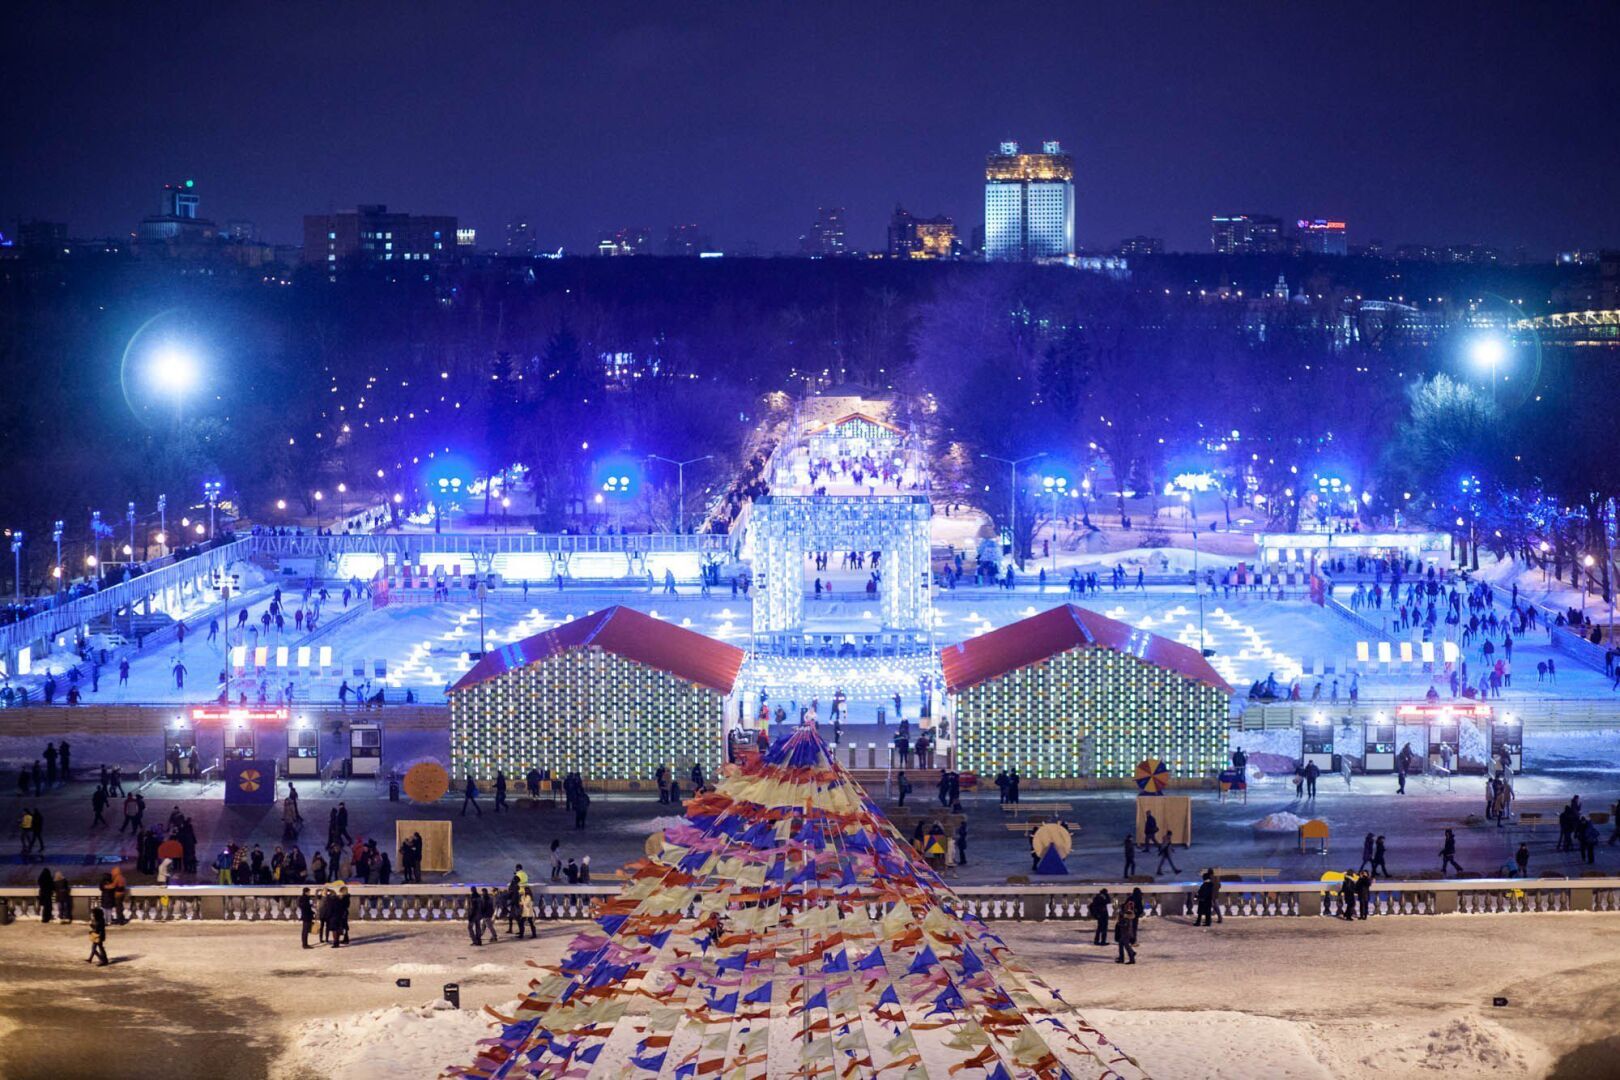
x=1028 y=203
x=1322 y=237
x=1245 y=234
x=826 y=236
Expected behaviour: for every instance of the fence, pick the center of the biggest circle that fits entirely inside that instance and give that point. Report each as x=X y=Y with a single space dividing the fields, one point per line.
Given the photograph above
x=446 y=904
x=1561 y=714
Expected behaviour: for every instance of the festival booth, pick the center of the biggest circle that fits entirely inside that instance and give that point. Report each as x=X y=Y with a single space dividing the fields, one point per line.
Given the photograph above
x=1378 y=745
x=1316 y=745
x=1507 y=738
x=365 y=749
x=179 y=744
x=1172 y=812
x=1443 y=722
x=303 y=750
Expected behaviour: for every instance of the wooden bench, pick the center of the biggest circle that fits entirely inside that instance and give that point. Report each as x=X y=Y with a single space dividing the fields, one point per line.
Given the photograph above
x=1261 y=873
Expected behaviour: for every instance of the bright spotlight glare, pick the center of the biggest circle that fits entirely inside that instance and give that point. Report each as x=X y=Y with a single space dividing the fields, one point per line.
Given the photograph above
x=1488 y=352
x=174 y=370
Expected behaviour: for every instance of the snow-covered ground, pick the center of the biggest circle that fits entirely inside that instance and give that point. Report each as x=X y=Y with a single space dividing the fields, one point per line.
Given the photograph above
x=1394 y=997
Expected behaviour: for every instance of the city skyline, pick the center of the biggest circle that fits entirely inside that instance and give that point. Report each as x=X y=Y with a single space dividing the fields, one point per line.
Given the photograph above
x=575 y=130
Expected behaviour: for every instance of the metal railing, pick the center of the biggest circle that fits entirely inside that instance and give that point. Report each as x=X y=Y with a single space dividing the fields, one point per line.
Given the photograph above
x=1237 y=899
x=1544 y=713
x=407 y=547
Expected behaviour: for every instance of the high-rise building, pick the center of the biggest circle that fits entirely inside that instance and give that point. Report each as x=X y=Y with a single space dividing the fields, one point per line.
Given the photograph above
x=1141 y=245
x=1245 y=234
x=686 y=241
x=176 y=221
x=520 y=237
x=630 y=240
x=826 y=236
x=1028 y=203
x=370 y=235
x=466 y=238
x=912 y=237
x=1319 y=236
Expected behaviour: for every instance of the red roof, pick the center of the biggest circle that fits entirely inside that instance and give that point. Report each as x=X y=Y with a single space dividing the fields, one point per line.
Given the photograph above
x=624 y=632
x=1041 y=637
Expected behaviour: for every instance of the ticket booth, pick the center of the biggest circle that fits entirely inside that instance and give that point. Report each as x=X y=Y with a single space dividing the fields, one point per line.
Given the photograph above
x=1444 y=746
x=1379 y=753
x=1507 y=737
x=365 y=749
x=239 y=727
x=1316 y=745
x=303 y=750
x=179 y=748
x=239 y=740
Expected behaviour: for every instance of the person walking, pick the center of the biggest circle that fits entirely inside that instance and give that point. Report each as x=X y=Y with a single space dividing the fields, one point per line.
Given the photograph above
x=340 y=927
x=526 y=914
x=1165 y=854
x=500 y=790
x=903 y=786
x=98 y=937
x=47 y=895
x=1379 y=867
x=1521 y=861
x=469 y=797
x=1125 y=932
x=306 y=917
x=487 y=916
x=556 y=860
x=1448 y=853
x=1150 y=832
x=1130 y=857
x=475 y=917
x=1368 y=845
x=98 y=803
x=582 y=804
x=1311 y=773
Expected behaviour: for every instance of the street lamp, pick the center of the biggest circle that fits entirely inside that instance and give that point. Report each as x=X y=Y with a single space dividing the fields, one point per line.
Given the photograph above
x=343 y=489
x=319 y=496
x=1012 y=499
x=16 y=562
x=56 y=538
x=1488 y=352
x=129 y=516
x=448 y=487
x=95 y=535
x=680 y=485
x=211 y=490
x=1587 y=561
x=163 y=520
x=1055 y=486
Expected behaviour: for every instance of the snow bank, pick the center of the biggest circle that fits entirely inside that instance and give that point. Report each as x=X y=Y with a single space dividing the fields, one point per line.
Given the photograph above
x=1211 y=1045
x=1281 y=821
x=644 y=827
x=384 y=1043
x=415 y=969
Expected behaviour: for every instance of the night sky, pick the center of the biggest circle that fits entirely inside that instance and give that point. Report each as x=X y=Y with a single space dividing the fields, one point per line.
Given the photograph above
x=1429 y=122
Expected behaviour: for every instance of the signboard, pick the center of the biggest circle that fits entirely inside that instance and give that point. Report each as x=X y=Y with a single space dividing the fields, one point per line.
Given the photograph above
x=231 y=714
x=250 y=782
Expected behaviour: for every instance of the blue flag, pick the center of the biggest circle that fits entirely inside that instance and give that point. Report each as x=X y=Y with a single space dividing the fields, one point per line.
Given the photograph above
x=760 y=995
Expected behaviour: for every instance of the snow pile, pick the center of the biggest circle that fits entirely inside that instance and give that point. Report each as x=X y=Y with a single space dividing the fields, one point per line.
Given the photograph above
x=1281 y=821
x=487 y=969
x=1472 y=743
x=415 y=969
x=644 y=827
x=1463 y=1044
x=384 y=1043
x=1210 y=1045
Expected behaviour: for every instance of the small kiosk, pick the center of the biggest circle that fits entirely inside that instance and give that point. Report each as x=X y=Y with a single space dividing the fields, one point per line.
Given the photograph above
x=1443 y=722
x=1507 y=738
x=1316 y=745
x=239 y=727
x=179 y=747
x=1379 y=753
x=303 y=750
x=365 y=749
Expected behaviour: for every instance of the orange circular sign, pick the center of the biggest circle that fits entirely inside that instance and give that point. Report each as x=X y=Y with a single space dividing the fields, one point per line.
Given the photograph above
x=426 y=782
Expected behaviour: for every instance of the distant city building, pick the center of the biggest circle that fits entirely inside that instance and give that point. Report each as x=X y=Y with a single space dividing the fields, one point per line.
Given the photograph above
x=1141 y=245
x=1245 y=234
x=42 y=238
x=177 y=221
x=912 y=237
x=631 y=240
x=244 y=231
x=686 y=241
x=1028 y=204
x=826 y=237
x=1576 y=258
x=370 y=235
x=1318 y=236
x=466 y=238
x=520 y=239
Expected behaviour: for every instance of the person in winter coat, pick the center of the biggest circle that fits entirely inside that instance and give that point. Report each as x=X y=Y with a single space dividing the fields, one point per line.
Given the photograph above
x=1125 y=933
x=1130 y=857
x=475 y=916
x=526 y=914
x=64 y=898
x=1206 y=899
x=1347 y=896
x=1098 y=911
x=1364 y=884
x=1150 y=832
x=47 y=895
x=340 y=917
x=1378 y=865
x=1448 y=853
x=487 y=916
x=306 y=917
x=98 y=937
x=1367 y=846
